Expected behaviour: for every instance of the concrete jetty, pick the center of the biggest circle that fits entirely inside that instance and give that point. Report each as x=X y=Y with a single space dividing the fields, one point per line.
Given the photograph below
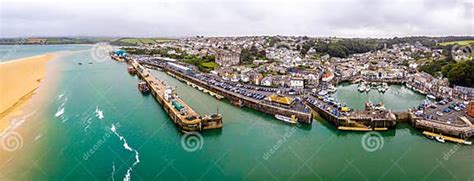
x=181 y=113
x=235 y=98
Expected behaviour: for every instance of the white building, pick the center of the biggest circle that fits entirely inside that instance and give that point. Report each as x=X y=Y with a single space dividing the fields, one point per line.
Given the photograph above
x=297 y=83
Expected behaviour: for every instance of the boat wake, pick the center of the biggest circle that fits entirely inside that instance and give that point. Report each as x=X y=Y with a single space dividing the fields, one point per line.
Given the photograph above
x=99 y=113
x=127 y=147
x=60 y=111
x=113 y=172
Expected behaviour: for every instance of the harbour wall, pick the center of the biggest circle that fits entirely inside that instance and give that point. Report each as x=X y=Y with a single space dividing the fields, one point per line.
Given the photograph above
x=303 y=117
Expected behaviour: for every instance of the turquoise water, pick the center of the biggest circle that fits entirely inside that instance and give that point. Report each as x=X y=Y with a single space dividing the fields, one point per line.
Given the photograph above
x=11 y=52
x=78 y=145
x=397 y=97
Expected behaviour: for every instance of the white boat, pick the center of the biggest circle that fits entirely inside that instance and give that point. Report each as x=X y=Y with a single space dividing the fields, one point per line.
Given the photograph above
x=332 y=89
x=409 y=86
x=383 y=88
x=291 y=120
x=429 y=96
x=322 y=93
x=439 y=139
x=367 y=89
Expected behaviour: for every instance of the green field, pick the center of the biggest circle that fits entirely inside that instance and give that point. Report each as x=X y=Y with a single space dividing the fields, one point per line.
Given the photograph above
x=209 y=65
x=463 y=42
x=139 y=41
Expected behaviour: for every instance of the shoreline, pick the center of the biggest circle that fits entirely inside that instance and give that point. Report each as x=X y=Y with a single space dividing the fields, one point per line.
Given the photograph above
x=20 y=79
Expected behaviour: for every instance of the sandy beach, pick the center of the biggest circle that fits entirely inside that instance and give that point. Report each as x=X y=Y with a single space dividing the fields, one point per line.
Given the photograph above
x=18 y=81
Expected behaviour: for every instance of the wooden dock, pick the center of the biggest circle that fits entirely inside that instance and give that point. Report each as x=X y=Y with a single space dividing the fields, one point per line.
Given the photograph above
x=187 y=120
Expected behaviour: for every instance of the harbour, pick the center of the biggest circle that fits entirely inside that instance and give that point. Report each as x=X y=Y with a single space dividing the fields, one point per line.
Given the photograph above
x=370 y=119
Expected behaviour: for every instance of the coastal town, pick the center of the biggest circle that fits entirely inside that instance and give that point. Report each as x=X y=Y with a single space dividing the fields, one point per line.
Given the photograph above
x=281 y=76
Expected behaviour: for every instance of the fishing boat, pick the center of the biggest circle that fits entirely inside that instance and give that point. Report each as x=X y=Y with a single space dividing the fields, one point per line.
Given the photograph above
x=409 y=86
x=291 y=120
x=131 y=70
x=143 y=87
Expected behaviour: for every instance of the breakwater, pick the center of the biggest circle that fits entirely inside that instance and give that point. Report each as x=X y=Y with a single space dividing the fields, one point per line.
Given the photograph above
x=181 y=114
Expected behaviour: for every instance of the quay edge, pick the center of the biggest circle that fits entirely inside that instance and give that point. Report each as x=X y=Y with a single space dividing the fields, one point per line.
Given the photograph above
x=303 y=117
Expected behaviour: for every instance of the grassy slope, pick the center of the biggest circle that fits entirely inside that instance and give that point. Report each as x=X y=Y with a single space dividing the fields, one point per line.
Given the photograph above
x=463 y=42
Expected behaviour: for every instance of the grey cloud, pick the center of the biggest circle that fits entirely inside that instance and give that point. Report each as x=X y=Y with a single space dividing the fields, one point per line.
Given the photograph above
x=349 y=18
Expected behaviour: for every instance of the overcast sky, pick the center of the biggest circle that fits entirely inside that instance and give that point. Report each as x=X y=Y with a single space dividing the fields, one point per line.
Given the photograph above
x=342 y=18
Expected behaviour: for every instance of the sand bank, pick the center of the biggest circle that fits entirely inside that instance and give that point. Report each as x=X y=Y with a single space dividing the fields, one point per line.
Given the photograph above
x=18 y=81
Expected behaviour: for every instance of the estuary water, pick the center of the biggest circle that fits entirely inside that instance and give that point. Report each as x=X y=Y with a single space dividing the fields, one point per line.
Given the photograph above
x=90 y=122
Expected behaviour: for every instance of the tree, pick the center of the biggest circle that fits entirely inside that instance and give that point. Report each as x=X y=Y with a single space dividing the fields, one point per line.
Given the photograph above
x=462 y=74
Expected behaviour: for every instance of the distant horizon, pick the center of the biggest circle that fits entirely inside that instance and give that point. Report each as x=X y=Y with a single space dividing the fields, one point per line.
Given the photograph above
x=234 y=36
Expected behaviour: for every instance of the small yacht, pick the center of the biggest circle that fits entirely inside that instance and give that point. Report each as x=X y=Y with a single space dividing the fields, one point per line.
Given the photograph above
x=362 y=87
x=291 y=120
x=439 y=139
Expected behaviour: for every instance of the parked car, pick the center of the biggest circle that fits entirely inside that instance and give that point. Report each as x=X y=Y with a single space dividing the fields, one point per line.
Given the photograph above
x=439 y=113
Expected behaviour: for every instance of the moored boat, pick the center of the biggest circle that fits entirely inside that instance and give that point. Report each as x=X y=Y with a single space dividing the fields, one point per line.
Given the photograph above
x=322 y=93
x=143 y=87
x=332 y=89
x=291 y=120
x=131 y=70
x=362 y=86
x=383 y=88
x=432 y=97
x=439 y=139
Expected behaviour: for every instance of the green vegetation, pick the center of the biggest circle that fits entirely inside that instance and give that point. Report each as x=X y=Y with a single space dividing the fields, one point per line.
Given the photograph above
x=461 y=73
x=247 y=56
x=204 y=64
x=209 y=65
x=434 y=68
x=341 y=48
x=462 y=42
x=458 y=73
